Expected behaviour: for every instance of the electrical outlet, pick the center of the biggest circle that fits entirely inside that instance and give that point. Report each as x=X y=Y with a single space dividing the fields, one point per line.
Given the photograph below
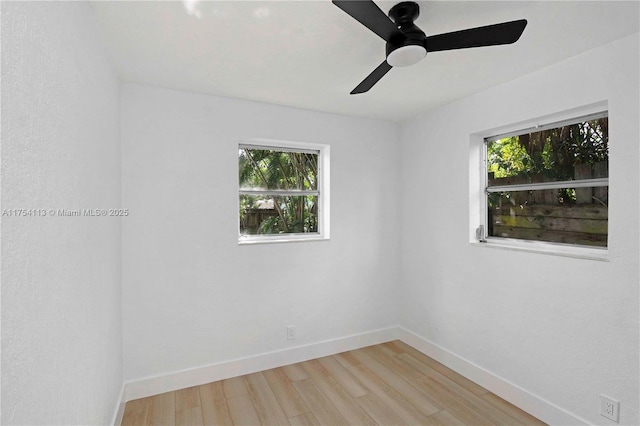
x=291 y=332
x=609 y=408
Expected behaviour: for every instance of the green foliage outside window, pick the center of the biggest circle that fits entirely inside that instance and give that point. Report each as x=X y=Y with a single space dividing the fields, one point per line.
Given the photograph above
x=549 y=155
x=269 y=211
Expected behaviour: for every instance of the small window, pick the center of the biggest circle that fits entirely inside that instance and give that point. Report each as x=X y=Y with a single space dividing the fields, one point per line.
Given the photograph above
x=282 y=192
x=549 y=184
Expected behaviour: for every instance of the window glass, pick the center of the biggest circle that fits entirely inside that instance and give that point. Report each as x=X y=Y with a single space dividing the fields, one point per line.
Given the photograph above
x=279 y=191
x=278 y=214
x=550 y=185
x=277 y=169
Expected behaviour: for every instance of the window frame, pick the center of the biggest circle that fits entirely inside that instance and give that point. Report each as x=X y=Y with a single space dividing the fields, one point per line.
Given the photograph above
x=479 y=221
x=322 y=191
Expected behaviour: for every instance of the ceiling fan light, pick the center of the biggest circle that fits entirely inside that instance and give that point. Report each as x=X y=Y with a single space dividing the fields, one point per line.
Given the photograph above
x=406 y=55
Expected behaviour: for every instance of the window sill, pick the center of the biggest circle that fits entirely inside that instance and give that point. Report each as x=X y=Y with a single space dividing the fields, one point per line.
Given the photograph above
x=281 y=238
x=577 y=252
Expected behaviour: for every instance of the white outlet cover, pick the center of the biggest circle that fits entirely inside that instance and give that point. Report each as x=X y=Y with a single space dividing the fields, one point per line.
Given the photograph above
x=291 y=332
x=609 y=408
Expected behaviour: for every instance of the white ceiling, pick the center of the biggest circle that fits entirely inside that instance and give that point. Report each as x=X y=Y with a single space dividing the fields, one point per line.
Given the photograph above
x=310 y=54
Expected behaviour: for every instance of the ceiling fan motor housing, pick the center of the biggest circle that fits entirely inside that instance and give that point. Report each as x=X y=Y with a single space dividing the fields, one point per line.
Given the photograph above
x=411 y=49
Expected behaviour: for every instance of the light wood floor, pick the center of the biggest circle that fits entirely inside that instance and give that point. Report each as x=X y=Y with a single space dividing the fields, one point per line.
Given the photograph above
x=387 y=384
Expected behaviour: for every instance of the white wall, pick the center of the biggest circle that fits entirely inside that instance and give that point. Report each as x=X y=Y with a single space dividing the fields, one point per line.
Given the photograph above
x=192 y=296
x=563 y=329
x=61 y=284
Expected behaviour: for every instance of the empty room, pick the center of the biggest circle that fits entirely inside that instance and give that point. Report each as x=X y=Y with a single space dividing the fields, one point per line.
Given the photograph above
x=320 y=212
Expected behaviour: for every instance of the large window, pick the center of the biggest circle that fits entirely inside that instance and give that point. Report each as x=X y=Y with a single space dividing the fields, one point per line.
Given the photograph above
x=549 y=184
x=282 y=192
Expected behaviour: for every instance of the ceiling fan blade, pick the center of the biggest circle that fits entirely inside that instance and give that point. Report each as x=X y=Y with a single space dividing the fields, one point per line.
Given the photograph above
x=369 y=14
x=491 y=35
x=372 y=78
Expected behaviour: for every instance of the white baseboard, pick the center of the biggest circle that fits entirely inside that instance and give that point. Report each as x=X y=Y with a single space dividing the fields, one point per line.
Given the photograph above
x=119 y=412
x=210 y=373
x=527 y=401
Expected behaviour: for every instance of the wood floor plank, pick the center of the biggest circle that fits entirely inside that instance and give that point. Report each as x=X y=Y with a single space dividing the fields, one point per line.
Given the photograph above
x=320 y=406
x=462 y=408
x=216 y=412
x=189 y=417
x=441 y=385
x=242 y=411
x=441 y=368
x=403 y=387
x=380 y=412
x=234 y=387
x=213 y=390
x=419 y=367
x=349 y=382
x=445 y=418
x=338 y=396
x=392 y=398
x=162 y=409
x=414 y=373
x=512 y=410
x=411 y=369
x=136 y=412
x=390 y=346
x=214 y=404
x=294 y=372
x=187 y=398
x=265 y=402
x=380 y=354
x=292 y=404
x=346 y=359
x=362 y=356
x=306 y=419
x=188 y=410
x=431 y=387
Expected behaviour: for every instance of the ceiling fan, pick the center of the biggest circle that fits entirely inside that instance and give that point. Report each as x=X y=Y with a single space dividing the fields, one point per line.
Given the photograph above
x=407 y=44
